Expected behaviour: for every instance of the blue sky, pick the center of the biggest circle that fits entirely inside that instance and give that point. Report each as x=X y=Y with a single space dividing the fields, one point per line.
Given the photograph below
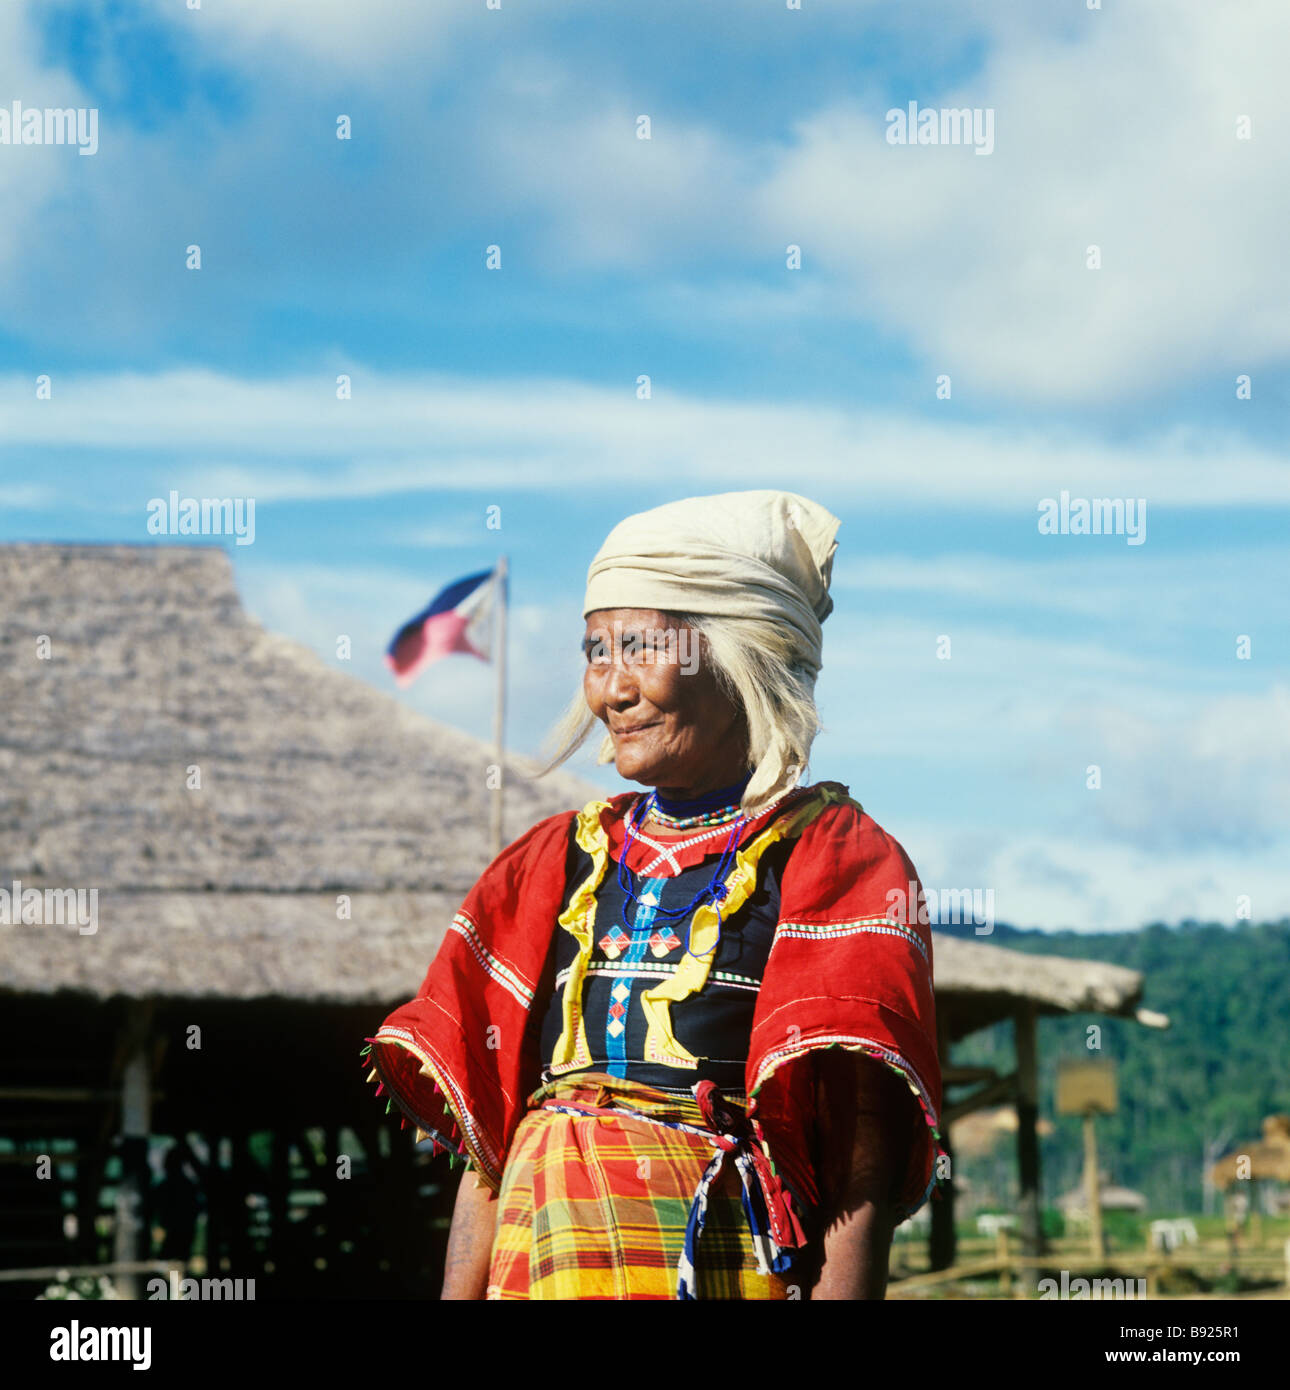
x=516 y=388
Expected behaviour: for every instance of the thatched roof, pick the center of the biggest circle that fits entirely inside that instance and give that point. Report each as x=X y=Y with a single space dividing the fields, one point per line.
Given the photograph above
x=1267 y=1158
x=313 y=784
x=980 y=1132
x=1110 y=1198
x=978 y=984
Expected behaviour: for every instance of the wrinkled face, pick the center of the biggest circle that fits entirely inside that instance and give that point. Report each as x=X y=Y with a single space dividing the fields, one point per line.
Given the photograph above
x=672 y=723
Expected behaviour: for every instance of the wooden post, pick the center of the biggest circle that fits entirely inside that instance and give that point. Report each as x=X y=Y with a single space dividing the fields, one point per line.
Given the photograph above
x=241 y=1174
x=287 y=1246
x=89 y=1176
x=1093 y=1186
x=1028 y=1208
x=1005 y=1262
x=942 y=1240
x=131 y=1239
x=217 y=1214
x=500 y=599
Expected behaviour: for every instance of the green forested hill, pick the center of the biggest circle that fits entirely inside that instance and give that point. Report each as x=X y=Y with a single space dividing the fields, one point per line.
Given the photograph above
x=1221 y=1067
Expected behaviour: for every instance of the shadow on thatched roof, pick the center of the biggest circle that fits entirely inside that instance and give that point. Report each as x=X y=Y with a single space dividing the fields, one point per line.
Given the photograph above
x=313 y=784
x=978 y=984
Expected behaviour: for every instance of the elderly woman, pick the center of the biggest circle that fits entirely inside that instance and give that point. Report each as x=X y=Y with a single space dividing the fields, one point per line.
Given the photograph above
x=685 y=1040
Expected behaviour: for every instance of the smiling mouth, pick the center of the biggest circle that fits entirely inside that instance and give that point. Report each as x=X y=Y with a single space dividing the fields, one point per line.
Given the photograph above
x=633 y=729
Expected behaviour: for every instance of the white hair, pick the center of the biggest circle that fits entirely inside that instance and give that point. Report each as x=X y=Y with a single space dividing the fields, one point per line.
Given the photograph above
x=754 y=659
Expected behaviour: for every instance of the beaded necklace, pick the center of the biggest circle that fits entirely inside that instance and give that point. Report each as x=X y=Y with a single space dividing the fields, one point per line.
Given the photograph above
x=722 y=816
x=669 y=849
x=713 y=893
x=715 y=808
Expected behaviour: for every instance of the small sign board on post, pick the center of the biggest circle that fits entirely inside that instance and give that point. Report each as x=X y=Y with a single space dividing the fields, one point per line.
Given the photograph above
x=1086 y=1087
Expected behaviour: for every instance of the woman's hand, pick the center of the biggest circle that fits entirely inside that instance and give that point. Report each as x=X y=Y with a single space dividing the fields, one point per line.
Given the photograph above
x=470 y=1240
x=865 y=1127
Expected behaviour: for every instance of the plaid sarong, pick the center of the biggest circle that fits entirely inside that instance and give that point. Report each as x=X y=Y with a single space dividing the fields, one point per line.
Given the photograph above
x=596 y=1206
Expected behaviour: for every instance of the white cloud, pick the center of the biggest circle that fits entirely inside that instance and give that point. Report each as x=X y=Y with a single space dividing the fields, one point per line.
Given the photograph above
x=1091 y=884
x=421 y=433
x=1111 y=129
x=1007 y=709
x=1150 y=591
x=32 y=176
x=332 y=33
x=365 y=39
x=28 y=497
x=608 y=198
x=452 y=536
x=1219 y=775
x=1115 y=127
x=1119 y=131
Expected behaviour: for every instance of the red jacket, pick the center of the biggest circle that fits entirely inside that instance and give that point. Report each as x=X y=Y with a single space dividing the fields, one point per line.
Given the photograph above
x=850 y=967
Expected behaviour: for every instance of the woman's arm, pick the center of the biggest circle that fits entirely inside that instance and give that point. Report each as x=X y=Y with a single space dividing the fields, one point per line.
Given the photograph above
x=470 y=1240
x=865 y=1129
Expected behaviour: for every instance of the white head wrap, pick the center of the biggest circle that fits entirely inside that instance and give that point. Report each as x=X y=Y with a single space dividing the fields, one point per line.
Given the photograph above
x=760 y=554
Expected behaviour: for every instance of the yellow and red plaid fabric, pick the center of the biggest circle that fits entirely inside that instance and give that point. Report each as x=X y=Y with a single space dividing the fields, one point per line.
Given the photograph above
x=595 y=1207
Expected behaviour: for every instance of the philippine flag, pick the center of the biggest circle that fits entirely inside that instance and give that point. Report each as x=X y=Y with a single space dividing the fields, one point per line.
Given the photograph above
x=458 y=619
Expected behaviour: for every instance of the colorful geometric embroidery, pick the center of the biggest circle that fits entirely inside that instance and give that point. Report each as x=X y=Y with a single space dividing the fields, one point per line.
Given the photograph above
x=510 y=980
x=651 y=967
x=647 y=904
x=662 y=1047
x=621 y=996
x=614 y=942
x=827 y=931
x=664 y=943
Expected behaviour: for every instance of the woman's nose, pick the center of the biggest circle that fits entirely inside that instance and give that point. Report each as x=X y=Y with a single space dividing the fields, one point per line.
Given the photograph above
x=621 y=688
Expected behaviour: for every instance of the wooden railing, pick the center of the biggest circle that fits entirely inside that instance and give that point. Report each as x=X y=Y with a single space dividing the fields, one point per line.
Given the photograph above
x=1007 y=1265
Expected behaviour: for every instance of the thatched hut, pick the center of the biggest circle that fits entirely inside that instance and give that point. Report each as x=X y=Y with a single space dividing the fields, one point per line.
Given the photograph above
x=1074 y=1204
x=272 y=849
x=1260 y=1160
x=978 y=985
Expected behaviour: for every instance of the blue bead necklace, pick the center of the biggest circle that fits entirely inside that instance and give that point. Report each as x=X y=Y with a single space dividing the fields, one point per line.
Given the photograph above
x=714 y=893
x=723 y=802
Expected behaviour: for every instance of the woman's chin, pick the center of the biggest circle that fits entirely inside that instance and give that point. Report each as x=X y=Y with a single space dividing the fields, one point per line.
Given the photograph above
x=634 y=769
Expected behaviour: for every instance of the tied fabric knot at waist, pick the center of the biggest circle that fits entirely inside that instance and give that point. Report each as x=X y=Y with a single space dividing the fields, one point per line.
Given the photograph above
x=766 y=1208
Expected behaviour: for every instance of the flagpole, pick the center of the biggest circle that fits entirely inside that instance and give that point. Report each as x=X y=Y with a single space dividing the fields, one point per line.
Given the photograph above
x=499 y=704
